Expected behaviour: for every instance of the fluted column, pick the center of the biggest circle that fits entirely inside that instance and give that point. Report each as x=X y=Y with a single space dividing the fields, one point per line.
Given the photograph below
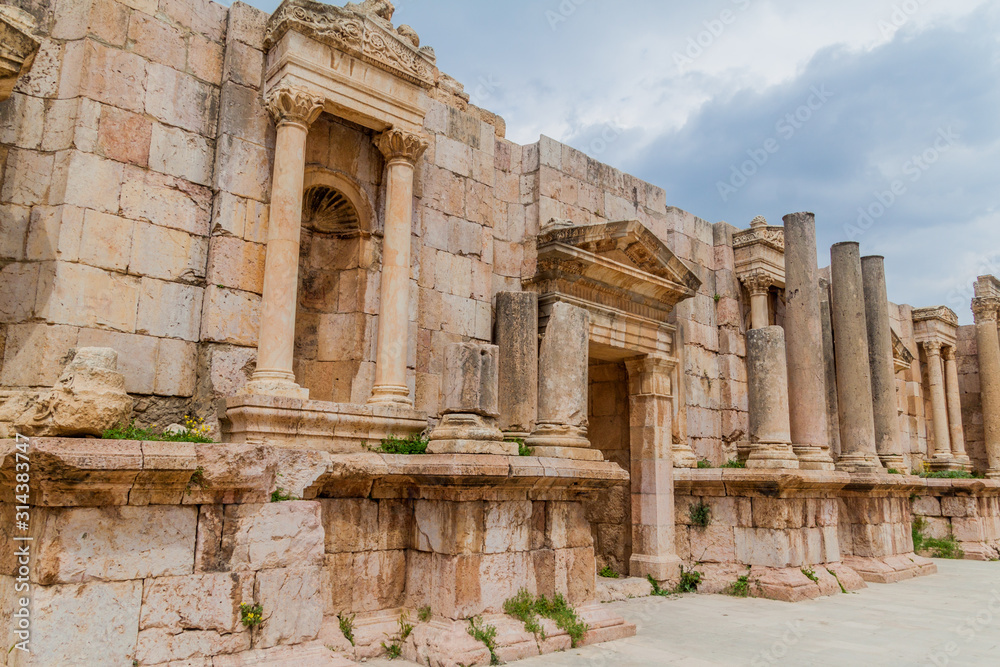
x=804 y=345
x=401 y=151
x=957 y=431
x=988 y=344
x=888 y=442
x=293 y=109
x=758 y=284
x=939 y=406
x=854 y=379
x=651 y=408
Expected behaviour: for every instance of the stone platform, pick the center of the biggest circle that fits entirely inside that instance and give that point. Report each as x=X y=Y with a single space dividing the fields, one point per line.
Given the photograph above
x=967 y=509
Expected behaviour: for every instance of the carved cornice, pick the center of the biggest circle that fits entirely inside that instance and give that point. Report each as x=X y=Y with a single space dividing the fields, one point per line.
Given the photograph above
x=399 y=145
x=290 y=104
x=757 y=282
x=985 y=309
x=363 y=31
x=18 y=47
x=760 y=232
x=941 y=313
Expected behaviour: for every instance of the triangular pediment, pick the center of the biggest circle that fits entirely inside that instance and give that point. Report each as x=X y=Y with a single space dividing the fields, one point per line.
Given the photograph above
x=628 y=243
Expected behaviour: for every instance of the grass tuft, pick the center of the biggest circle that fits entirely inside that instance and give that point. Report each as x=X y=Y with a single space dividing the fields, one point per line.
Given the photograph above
x=700 y=514
x=413 y=445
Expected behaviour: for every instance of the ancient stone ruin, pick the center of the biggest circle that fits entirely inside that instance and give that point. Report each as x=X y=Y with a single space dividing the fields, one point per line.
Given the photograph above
x=407 y=368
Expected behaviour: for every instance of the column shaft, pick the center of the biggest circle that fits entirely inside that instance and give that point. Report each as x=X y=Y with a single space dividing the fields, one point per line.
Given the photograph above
x=803 y=345
x=517 y=337
x=939 y=405
x=887 y=438
x=650 y=410
x=854 y=382
x=988 y=344
x=401 y=150
x=955 y=409
x=293 y=110
x=767 y=375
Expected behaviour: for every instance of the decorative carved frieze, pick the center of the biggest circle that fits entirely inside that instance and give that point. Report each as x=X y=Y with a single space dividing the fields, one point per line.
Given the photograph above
x=760 y=232
x=936 y=324
x=760 y=250
x=364 y=31
x=400 y=145
x=18 y=47
x=290 y=104
x=942 y=313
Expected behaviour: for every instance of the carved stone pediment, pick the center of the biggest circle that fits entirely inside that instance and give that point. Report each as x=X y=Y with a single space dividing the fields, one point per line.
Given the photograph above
x=902 y=358
x=935 y=324
x=363 y=31
x=18 y=47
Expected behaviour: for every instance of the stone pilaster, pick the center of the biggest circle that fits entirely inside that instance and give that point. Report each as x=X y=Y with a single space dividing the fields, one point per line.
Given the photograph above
x=401 y=151
x=758 y=283
x=650 y=411
x=957 y=431
x=767 y=373
x=988 y=344
x=517 y=337
x=293 y=109
x=561 y=428
x=888 y=442
x=803 y=341
x=942 y=459
x=854 y=380
x=471 y=406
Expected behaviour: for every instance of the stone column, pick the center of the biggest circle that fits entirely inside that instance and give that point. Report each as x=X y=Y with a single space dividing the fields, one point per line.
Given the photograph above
x=401 y=151
x=561 y=428
x=652 y=477
x=804 y=345
x=759 y=285
x=854 y=379
x=471 y=407
x=517 y=337
x=293 y=109
x=957 y=432
x=988 y=343
x=829 y=369
x=939 y=407
x=888 y=443
x=767 y=373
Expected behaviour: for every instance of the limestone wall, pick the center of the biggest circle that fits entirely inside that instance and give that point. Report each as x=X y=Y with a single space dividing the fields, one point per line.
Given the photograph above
x=972 y=405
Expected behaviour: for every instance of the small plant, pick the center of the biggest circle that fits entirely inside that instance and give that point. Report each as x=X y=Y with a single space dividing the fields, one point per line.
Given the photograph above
x=527 y=609
x=279 y=495
x=700 y=514
x=810 y=574
x=734 y=463
x=717 y=297
x=522 y=607
x=412 y=445
x=251 y=615
x=522 y=449
x=740 y=588
x=947 y=547
x=392 y=650
x=405 y=627
x=194 y=429
x=894 y=471
x=704 y=463
x=424 y=614
x=656 y=587
x=608 y=573
x=689 y=581
x=842 y=589
x=485 y=633
x=346 y=622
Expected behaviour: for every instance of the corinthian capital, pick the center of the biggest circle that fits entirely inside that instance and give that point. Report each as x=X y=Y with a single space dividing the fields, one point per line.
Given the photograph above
x=400 y=145
x=984 y=309
x=933 y=347
x=291 y=104
x=757 y=282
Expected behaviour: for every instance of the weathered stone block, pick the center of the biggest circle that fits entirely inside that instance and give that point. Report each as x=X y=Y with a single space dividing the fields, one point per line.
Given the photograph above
x=275 y=535
x=243 y=168
x=230 y=316
x=201 y=16
x=507 y=527
x=157 y=40
x=446 y=527
x=294 y=602
x=567 y=526
x=181 y=100
x=108 y=75
x=196 y=602
x=205 y=59
x=14 y=221
x=960 y=506
x=84 y=296
x=27 y=178
x=176 y=368
x=182 y=154
x=134 y=355
x=169 y=310
x=16 y=282
x=243 y=115
x=235 y=263
x=379 y=580
x=157 y=646
x=166 y=201
x=350 y=524
x=115 y=543
x=34 y=353
x=106 y=241
x=244 y=65
x=168 y=254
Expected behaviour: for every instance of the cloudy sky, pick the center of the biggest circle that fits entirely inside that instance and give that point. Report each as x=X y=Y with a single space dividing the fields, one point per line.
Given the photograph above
x=881 y=116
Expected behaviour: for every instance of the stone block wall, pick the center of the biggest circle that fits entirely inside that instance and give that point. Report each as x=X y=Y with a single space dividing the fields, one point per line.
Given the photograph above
x=967 y=356
x=957 y=508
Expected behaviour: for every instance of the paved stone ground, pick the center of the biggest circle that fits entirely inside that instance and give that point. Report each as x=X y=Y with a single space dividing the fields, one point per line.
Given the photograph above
x=952 y=618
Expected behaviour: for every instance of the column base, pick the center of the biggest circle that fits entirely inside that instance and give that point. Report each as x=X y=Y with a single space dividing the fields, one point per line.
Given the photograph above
x=683 y=455
x=772 y=455
x=572 y=453
x=964 y=461
x=661 y=568
x=993 y=473
x=391 y=394
x=945 y=463
x=469 y=434
x=270 y=386
x=813 y=457
x=860 y=463
x=558 y=435
x=893 y=461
